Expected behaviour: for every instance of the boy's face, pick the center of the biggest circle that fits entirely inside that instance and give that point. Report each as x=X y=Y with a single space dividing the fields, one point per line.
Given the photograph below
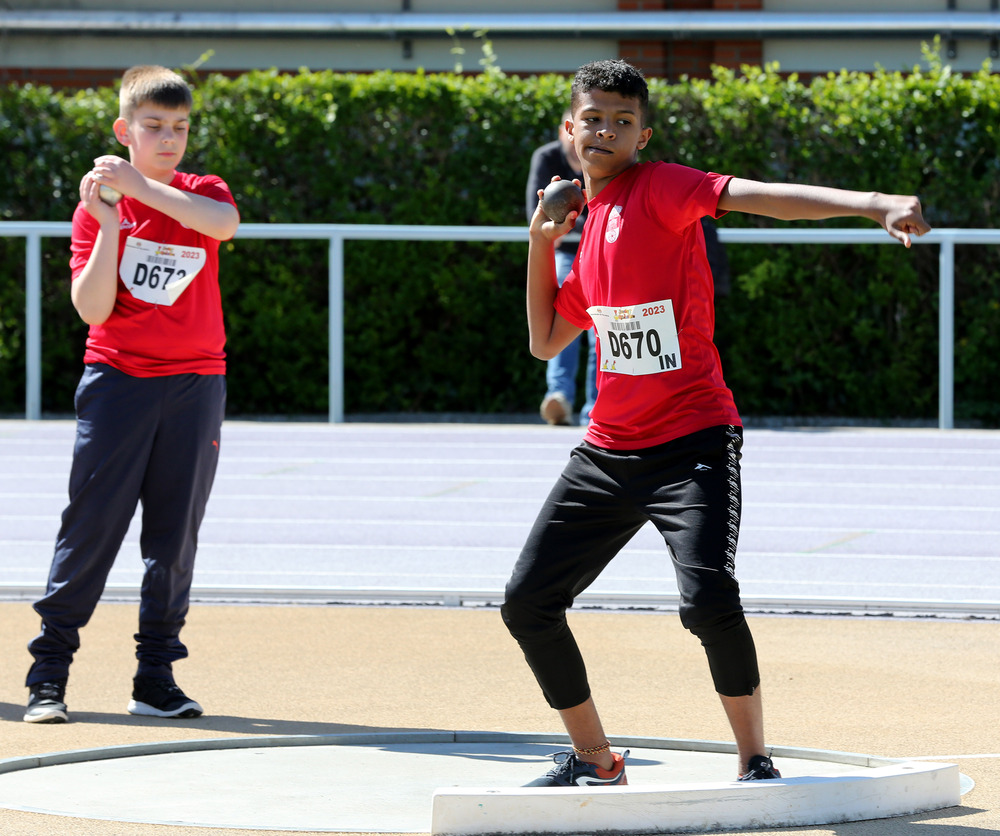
x=607 y=132
x=156 y=138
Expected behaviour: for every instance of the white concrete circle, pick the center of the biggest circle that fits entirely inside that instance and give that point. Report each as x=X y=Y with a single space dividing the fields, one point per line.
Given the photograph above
x=423 y=782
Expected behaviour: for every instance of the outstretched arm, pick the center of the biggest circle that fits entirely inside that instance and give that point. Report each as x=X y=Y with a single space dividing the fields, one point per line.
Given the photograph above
x=899 y=215
x=548 y=332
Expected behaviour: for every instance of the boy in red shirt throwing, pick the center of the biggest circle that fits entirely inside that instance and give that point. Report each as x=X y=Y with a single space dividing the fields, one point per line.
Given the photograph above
x=664 y=439
x=150 y=404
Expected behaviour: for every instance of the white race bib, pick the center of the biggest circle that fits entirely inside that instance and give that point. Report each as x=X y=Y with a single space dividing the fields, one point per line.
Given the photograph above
x=637 y=340
x=159 y=273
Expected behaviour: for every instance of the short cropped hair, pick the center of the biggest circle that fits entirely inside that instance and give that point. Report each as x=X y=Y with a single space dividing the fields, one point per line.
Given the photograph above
x=612 y=76
x=150 y=83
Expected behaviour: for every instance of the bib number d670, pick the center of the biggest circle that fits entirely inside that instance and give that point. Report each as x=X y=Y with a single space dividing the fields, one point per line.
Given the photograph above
x=631 y=343
x=637 y=339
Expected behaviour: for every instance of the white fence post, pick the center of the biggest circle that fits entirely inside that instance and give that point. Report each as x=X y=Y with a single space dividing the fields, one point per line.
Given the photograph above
x=336 y=327
x=33 y=327
x=946 y=335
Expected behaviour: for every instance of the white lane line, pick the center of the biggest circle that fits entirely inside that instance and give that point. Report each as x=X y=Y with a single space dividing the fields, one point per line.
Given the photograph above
x=215 y=520
x=923 y=487
x=895 y=468
x=743 y=555
x=448 y=495
x=455 y=462
x=826 y=583
x=749 y=484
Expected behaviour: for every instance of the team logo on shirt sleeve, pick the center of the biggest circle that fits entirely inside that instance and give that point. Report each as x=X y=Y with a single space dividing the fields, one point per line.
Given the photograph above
x=613 y=228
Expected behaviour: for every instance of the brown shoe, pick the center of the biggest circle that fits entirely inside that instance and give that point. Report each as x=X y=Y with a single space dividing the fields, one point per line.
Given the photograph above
x=555 y=410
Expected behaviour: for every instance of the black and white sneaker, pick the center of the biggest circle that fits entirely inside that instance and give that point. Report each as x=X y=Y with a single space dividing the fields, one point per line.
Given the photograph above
x=161 y=698
x=47 y=702
x=760 y=769
x=570 y=771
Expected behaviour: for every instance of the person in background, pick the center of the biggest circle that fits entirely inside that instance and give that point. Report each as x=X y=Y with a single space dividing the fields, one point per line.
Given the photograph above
x=558 y=158
x=150 y=404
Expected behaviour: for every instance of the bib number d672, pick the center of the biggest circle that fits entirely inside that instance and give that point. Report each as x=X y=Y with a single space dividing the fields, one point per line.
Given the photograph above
x=159 y=273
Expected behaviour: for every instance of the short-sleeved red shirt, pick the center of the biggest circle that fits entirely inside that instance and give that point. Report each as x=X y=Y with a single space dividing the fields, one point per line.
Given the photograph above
x=643 y=244
x=150 y=340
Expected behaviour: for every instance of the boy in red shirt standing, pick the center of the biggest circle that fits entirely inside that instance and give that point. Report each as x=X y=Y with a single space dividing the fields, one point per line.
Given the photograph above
x=151 y=400
x=664 y=440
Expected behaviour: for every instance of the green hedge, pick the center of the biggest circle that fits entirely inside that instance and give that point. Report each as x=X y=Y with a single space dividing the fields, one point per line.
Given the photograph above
x=845 y=331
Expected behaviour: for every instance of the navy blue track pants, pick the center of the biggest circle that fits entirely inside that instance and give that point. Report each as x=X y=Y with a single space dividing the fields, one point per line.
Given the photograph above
x=690 y=490
x=149 y=439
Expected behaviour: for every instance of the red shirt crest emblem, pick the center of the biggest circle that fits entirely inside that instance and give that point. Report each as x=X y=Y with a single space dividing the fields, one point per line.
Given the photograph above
x=614 y=226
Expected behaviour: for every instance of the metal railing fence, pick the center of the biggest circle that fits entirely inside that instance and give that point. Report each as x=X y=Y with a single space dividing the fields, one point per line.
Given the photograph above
x=677 y=25
x=336 y=234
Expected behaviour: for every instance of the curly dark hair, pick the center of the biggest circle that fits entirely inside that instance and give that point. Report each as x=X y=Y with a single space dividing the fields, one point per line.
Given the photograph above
x=612 y=76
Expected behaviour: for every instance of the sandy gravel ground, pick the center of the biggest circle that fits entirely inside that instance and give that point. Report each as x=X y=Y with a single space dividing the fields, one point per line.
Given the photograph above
x=907 y=688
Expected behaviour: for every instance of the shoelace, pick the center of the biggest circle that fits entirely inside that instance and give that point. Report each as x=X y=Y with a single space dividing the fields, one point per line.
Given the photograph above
x=565 y=761
x=763 y=770
x=50 y=691
x=165 y=686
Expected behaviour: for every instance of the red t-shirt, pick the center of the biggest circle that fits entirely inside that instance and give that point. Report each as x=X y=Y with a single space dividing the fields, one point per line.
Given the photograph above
x=642 y=270
x=154 y=330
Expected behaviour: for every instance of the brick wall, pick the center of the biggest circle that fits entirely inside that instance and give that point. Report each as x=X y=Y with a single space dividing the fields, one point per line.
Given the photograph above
x=72 y=79
x=64 y=78
x=674 y=58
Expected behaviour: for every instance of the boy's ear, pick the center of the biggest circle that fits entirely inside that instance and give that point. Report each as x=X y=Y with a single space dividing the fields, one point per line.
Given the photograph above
x=644 y=138
x=120 y=128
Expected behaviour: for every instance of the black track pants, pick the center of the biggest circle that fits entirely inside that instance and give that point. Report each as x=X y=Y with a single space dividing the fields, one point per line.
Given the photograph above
x=153 y=439
x=690 y=490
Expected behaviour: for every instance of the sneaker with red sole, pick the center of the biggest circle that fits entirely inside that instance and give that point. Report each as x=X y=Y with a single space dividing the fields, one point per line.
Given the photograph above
x=570 y=771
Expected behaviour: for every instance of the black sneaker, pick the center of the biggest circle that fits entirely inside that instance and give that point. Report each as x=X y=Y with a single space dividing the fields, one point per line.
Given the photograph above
x=570 y=771
x=160 y=698
x=47 y=702
x=761 y=769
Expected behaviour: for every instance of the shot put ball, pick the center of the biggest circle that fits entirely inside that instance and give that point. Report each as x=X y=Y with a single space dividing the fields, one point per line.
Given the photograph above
x=560 y=198
x=109 y=195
